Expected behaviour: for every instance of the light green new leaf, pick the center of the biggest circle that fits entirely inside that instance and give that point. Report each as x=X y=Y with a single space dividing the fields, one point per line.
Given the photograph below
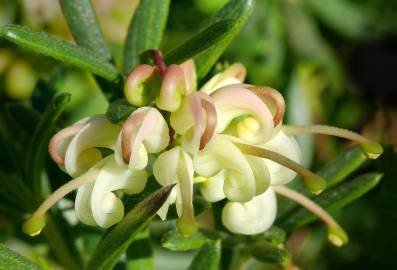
x=236 y=10
x=145 y=31
x=38 y=147
x=140 y=253
x=59 y=49
x=268 y=253
x=83 y=24
x=12 y=260
x=174 y=241
x=333 y=199
x=202 y=41
x=208 y=257
x=333 y=172
x=117 y=240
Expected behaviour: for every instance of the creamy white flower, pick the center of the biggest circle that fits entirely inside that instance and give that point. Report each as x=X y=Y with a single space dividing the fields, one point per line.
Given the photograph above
x=176 y=166
x=252 y=217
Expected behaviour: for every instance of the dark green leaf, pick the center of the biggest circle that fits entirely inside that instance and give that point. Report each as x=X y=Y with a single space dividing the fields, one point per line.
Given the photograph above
x=333 y=199
x=117 y=240
x=274 y=235
x=268 y=253
x=174 y=241
x=140 y=253
x=206 y=38
x=119 y=110
x=24 y=116
x=35 y=158
x=334 y=172
x=237 y=10
x=208 y=257
x=59 y=49
x=82 y=21
x=145 y=31
x=12 y=260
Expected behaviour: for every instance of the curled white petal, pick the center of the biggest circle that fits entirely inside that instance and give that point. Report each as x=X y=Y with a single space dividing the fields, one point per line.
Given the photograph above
x=145 y=131
x=252 y=217
x=212 y=187
x=235 y=74
x=221 y=154
x=97 y=204
x=234 y=101
x=286 y=146
x=82 y=152
x=176 y=166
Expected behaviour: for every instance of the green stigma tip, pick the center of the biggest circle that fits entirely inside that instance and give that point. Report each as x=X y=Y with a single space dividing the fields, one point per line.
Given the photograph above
x=315 y=184
x=372 y=150
x=337 y=236
x=34 y=226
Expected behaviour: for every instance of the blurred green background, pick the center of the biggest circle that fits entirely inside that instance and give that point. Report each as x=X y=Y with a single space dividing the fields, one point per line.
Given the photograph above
x=335 y=61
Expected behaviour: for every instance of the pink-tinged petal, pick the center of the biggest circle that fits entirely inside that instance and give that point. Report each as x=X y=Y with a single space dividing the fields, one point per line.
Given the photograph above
x=210 y=126
x=172 y=89
x=53 y=146
x=188 y=121
x=135 y=90
x=147 y=128
x=234 y=101
x=189 y=69
x=273 y=99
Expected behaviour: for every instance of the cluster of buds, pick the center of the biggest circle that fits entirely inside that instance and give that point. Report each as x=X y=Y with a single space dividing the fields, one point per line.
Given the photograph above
x=227 y=138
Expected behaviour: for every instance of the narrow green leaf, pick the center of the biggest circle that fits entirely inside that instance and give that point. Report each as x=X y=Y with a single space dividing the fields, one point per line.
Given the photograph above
x=174 y=241
x=334 y=172
x=268 y=253
x=332 y=200
x=11 y=260
x=117 y=240
x=119 y=110
x=83 y=24
x=237 y=10
x=145 y=31
x=208 y=257
x=59 y=49
x=140 y=253
x=37 y=150
x=206 y=38
x=345 y=17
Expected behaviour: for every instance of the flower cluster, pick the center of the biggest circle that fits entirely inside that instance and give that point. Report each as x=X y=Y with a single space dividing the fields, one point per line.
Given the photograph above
x=228 y=138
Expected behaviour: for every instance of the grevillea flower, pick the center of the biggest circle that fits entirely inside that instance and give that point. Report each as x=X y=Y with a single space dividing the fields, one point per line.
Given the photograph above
x=228 y=138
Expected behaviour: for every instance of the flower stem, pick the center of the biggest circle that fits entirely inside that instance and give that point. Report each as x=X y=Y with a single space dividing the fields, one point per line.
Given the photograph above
x=312 y=181
x=336 y=234
x=371 y=148
x=36 y=222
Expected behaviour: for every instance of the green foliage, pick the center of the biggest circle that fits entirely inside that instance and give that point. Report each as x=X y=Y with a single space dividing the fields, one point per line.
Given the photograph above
x=117 y=240
x=208 y=257
x=140 y=253
x=59 y=49
x=119 y=111
x=236 y=10
x=174 y=241
x=333 y=199
x=145 y=31
x=82 y=22
x=12 y=260
x=208 y=37
x=268 y=253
